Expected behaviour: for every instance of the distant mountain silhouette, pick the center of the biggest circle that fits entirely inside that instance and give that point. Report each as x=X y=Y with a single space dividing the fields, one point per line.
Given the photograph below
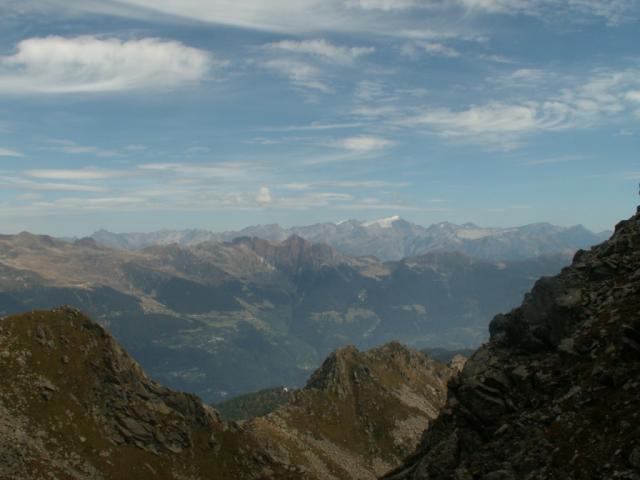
x=222 y=319
x=391 y=238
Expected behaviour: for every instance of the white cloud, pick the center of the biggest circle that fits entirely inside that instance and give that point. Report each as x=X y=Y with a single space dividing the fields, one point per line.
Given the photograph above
x=376 y=111
x=81 y=174
x=284 y=16
x=90 y=64
x=553 y=160
x=135 y=148
x=312 y=127
x=86 y=204
x=67 y=146
x=6 y=152
x=633 y=95
x=367 y=90
x=202 y=171
x=29 y=196
x=322 y=49
x=383 y=17
x=416 y=50
x=376 y=204
x=304 y=62
x=364 y=184
x=496 y=58
x=299 y=73
x=613 y=11
x=525 y=77
x=385 y=5
x=313 y=200
x=364 y=143
x=494 y=117
x=23 y=184
x=264 y=196
x=503 y=123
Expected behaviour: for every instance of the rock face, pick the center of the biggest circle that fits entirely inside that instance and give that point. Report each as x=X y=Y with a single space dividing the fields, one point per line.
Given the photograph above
x=555 y=393
x=74 y=405
x=358 y=415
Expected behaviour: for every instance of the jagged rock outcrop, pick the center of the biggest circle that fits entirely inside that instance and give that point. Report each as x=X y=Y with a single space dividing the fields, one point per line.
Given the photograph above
x=555 y=393
x=293 y=254
x=74 y=405
x=359 y=414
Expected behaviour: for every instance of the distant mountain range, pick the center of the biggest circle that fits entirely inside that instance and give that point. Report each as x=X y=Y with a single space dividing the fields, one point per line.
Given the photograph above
x=391 y=238
x=222 y=319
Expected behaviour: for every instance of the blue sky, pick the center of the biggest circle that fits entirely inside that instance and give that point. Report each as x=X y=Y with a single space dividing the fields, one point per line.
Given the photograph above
x=136 y=115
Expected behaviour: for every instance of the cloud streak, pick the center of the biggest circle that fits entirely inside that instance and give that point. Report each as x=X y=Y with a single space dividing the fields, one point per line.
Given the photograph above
x=81 y=174
x=364 y=143
x=7 y=152
x=322 y=49
x=67 y=146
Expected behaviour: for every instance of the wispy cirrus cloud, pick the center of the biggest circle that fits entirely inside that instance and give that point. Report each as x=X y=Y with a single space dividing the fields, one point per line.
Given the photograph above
x=79 y=174
x=309 y=64
x=613 y=11
x=351 y=184
x=322 y=49
x=364 y=143
x=415 y=50
x=525 y=77
x=21 y=183
x=301 y=74
x=282 y=16
x=633 y=95
x=208 y=171
x=503 y=123
x=313 y=127
x=384 y=5
x=68 y=146
x=554 y=160
x=386 y=17
x=58 y=65
x=7 y=152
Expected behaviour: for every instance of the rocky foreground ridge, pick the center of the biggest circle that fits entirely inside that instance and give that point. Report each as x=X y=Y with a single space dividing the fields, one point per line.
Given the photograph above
x=556 y=391
x=74 y=405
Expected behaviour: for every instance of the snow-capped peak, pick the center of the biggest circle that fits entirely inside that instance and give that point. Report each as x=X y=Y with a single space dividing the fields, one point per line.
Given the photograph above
x=382 y=222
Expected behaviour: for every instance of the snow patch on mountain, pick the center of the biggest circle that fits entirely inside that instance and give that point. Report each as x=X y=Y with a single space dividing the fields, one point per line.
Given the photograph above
x=382 y=222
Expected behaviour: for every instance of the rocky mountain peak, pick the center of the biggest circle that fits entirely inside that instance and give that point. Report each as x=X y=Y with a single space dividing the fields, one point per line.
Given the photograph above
x=335 y=373
x=75 y=405
x=293 y=254
x=554 y=393
x=360 y=413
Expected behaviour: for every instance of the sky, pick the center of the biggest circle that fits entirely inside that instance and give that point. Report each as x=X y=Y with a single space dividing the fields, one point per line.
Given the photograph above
x=139 y=115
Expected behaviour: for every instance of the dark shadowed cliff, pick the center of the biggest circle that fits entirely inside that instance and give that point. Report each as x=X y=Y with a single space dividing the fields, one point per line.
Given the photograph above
x=555 y=393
